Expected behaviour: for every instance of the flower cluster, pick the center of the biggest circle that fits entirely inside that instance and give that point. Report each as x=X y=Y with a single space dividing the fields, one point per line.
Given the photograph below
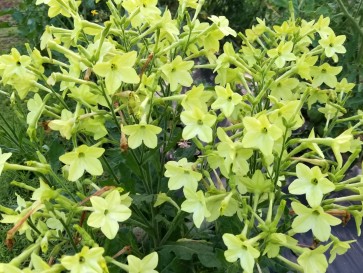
x=133 y=132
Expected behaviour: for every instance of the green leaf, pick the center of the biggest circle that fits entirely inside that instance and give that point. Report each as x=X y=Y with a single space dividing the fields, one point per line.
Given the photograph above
x=187 y=249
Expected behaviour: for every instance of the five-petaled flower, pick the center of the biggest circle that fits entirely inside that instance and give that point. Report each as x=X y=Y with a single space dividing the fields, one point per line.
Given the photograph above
x=86 y=261
x=83 y=158
x=117 y=70
x=108 y=211
x=312 y=183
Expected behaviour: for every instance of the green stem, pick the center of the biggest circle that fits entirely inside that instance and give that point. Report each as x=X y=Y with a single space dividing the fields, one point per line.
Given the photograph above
x=174 y=224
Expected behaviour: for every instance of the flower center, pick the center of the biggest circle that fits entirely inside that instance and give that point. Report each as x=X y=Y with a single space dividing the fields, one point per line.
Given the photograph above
x=81 y=259
x=18 y=63
x=81 y=155
x=186 y=172
x=106 y=211
x=113 y=67
x=229 y=98
x=323 y=70
x=200 y=122
x=264 y=130
x=314 y=181
x=316 y=213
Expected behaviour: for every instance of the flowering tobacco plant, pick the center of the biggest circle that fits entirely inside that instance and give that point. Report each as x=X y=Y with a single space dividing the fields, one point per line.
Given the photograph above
x=145 y=168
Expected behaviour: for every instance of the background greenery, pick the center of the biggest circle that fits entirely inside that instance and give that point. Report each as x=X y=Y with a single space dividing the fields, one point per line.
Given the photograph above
x=28 y=22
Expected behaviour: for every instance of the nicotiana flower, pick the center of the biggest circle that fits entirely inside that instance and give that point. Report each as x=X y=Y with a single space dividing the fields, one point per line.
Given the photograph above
x=282 y=53
x=315 y=219
x=63 y=125
x=226 y=100
x=181 y=174
x=240 y=249
x=86 y=261
x=333 y=44
x=117 y=70
x=260 y=134
x=142 y=133
x=198 y=123
x=177 y=72
x=195 y=203
x=107 y=212
x=314 y=261
x=83 y=158
x=325 y=73
x=312 y=183
x=145 y=265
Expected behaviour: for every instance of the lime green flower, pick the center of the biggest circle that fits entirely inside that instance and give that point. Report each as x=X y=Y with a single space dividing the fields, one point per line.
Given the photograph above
x=283 y=88
x=314 y=261
x=260 y=134
x=181 y=174
x=64 y=125
x=195 y=203
x=3 y=159
x=233 y=153
x=282 y=53
x=107 y=212
x=339 y=247
x=221 y=204
x=276 y=241
x=142 y=133
x=322 y=26
x=315 y=219
x=333 y=44
x=257 y=184
x=240 y=249
x=222 y=23
x=83 y=158
x=304 y=64
x=148 y=12
x=344 y=86
x=312 y=183
x=86 y=261
x=226 y=100
x=146 y=265
x=198 y=123
x=13 y=64
x=117 y=70
x=94 y=126
x=288 y=111
x=325 y=74
x=177 y=72
x=196 y=97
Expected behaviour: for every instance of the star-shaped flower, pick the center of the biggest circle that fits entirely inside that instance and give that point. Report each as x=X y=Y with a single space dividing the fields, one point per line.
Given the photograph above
x=240 y=249
x=146 y=265
x=181 y=174
x=86 y=261
x=177 y=72
x=63 y=125
x=260 y=134
x=117 y=70
x=282 y=53
x=314 y=261
x=198 y=123
x=195 y=204
x=315 y=219
x=107 y=212
x=312 y=183
x=325 y=74
x=83 y=158
x=226 y=100
x=333 y=44
x=142 y=133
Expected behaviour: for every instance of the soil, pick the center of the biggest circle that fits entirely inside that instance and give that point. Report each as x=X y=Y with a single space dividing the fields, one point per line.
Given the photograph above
x=8 y=35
